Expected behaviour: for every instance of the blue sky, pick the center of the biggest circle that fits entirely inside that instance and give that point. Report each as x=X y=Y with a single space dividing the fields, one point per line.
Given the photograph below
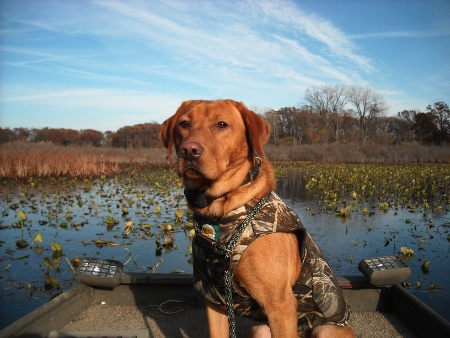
x=106 y=64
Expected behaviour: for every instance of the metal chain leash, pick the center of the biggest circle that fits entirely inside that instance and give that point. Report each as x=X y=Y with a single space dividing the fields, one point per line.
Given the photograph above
x=230 y=308
x=227 y=251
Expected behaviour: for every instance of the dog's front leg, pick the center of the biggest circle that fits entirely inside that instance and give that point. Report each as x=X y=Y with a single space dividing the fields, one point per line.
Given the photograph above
x=282 y=314
x=217 y=320
x=267 y=271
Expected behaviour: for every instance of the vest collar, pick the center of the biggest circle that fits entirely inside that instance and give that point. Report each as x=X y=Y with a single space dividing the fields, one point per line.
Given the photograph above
x=199 y=199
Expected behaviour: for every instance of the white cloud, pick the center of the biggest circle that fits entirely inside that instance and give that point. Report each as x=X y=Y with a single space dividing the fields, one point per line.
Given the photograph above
x=236 y=42
x=292 y=18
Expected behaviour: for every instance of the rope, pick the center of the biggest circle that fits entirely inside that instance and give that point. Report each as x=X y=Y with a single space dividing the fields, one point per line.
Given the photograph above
x=227 y=251
x=160 y=306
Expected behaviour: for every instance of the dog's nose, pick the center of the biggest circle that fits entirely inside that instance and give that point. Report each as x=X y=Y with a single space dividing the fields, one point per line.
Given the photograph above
x=190 y=150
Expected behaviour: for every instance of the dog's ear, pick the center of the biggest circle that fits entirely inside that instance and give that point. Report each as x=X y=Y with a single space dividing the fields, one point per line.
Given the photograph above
x=166 y=134
x=166 y=131
x=258 y=130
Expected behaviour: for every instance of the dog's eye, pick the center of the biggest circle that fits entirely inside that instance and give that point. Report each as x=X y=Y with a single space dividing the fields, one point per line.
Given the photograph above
x=184 y=124
x=222 y=125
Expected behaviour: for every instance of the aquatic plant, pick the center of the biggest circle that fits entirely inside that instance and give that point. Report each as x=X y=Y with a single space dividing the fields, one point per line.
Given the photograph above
x=389 y=186
x=132 y=208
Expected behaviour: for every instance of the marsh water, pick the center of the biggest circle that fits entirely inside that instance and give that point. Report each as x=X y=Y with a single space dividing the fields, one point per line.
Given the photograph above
x=345 y=241
x=143 y=222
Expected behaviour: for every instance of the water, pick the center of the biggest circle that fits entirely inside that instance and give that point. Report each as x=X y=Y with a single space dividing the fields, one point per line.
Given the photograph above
x=74 y=214
x=346 y=241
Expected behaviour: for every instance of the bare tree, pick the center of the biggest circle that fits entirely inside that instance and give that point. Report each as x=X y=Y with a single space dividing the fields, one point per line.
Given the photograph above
x=328 y=102
x=318 y=100
x=368 y=105
x=273 y=119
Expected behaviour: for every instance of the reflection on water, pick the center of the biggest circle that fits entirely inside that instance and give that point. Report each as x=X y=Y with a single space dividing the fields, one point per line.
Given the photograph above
x=346 y=241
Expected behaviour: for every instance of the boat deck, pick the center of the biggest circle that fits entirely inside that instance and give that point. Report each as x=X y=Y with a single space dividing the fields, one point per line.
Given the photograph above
x=151 y=322
x=166 y=305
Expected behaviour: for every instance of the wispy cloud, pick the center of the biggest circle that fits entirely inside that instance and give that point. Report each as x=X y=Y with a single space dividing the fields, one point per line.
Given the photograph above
x=292 y=18
x=225 y=40
x=95 y=97
x=242 y=45
x=402 y=34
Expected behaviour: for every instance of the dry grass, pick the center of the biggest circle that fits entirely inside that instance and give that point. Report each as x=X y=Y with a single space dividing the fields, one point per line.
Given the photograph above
x=24 y=159
x=356 y=153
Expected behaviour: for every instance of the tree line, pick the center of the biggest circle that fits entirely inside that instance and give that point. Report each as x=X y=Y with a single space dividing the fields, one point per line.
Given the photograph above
x=143 y=135
x=356 y=114
x=329 y=114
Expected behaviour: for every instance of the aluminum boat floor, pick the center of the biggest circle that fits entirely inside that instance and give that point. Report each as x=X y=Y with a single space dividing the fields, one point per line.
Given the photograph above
x=192 y=322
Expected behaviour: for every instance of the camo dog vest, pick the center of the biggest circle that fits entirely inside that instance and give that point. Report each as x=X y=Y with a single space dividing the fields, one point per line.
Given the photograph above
x=320 y=300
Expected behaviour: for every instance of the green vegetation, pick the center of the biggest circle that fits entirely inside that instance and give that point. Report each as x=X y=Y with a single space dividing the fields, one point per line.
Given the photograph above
x=388 y=186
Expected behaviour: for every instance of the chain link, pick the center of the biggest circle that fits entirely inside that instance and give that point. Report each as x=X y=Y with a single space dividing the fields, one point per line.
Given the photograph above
x=230 y=307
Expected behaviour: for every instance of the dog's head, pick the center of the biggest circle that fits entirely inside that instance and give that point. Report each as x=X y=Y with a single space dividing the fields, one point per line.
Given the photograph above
x=213 y=138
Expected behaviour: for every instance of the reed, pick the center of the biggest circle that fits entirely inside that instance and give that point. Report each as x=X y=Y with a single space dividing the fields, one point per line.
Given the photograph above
x=357 y=153
x=26 y=159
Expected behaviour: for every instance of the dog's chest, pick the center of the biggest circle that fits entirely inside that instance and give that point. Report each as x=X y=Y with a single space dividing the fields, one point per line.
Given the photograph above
x=212 y=238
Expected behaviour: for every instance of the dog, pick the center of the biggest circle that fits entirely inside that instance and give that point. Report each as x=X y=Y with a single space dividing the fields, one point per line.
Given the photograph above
x=244 y=231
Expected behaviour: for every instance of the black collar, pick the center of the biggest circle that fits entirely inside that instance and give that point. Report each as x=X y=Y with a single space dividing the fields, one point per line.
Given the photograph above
x=198 y=199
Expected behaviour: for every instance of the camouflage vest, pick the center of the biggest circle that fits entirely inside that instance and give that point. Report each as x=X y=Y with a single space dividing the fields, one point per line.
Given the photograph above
x=320 y=300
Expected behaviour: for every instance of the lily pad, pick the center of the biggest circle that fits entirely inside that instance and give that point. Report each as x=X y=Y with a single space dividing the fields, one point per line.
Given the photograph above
x=56 y=246
x=21 y=243
x=21 y=214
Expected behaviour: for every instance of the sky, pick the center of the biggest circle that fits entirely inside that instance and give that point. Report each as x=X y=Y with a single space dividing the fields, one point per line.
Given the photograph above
x=108 y=64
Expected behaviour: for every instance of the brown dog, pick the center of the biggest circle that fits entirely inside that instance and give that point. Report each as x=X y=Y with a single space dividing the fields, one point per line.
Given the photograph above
x=282 y=278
